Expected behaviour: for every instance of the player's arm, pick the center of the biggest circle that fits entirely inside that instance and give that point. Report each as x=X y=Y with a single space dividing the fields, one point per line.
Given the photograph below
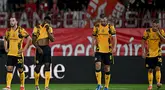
x=94 y=34
x=93 y=43
x=114 y=43
x=29 y=40
x=161 y=35
x=5 y=45
x=6 y=41
x=34 y=40
x=50 y=33
x=143 y=49
x=144 y=38
x=114 y=39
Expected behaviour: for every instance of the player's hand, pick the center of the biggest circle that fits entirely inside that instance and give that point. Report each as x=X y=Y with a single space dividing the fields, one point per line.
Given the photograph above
x=20 y=51
x=144 y=55
x=47 y=28
x=114 y=51
x=40 y=51
x=93 y=53
x=6 y=50
x=158 y=29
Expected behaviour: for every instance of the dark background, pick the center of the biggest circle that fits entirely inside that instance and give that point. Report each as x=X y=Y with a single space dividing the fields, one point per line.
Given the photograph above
x=126 y=70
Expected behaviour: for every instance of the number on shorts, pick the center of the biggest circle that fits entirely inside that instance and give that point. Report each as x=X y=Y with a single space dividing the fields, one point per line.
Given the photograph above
x=20 y=60
x=159 y=59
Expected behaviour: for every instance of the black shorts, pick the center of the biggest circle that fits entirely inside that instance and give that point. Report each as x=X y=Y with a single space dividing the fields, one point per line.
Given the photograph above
x=15 y=61
x=152 y=62
x=106 y=58
x=41 y=59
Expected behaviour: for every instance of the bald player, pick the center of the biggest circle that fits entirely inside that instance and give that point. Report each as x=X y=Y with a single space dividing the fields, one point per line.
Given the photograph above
x=104 y=38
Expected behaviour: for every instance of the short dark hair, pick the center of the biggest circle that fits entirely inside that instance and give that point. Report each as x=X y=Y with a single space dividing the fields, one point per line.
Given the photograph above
x=102 y=15
x=47 y=17
x=155 y=21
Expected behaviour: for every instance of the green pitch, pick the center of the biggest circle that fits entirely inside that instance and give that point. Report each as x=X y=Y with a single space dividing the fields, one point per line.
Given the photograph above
x=86 y=87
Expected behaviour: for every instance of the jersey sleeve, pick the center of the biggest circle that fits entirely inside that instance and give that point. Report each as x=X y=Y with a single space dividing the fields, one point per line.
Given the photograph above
x=94 y=31
x=35 y=31
x=24 y=33
x=6 y=35
x=113 y=30
x=145 y=35
x=51 y=30
x=162 y=33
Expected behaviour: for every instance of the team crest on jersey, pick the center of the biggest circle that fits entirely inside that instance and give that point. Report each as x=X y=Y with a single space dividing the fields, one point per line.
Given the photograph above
x=102 y=30
x=159 y=59
x=13 y=35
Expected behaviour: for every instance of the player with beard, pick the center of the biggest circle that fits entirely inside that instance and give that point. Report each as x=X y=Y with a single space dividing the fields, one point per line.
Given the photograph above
x=104 y=38
x=13 y=41
x=151 y=52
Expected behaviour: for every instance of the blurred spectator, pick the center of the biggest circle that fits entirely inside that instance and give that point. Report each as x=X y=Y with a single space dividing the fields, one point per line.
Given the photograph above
x=64 y=7
x=84 y=8
x=3 y=5
x=43 y=6
x=30 y=9
x=69 y=17
x=50 y=4
x=19 y=5
x=55 y=9
x=31 y=6
x=61 y=18
x=10 y=5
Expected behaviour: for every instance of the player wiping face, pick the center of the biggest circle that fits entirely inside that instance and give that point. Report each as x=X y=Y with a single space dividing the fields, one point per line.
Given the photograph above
x=42 y=34
x=151 y=52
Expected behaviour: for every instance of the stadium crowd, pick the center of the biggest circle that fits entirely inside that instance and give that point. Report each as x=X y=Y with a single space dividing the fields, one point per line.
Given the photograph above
x=66 y=11
x=42 y=5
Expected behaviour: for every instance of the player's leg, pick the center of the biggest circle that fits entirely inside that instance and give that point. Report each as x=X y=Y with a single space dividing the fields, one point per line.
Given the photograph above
x=47 y=75
x=107 y=61
x=20 y=66
x=47 y=63
x=149 y=65
x=98 y=69
x=158 y=71
x=150 y=78
x=37 y=76
x=38 y=62
x=9 y=76
x=158 y=76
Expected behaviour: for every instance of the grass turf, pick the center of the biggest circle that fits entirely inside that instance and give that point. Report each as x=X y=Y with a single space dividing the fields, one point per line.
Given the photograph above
x=85 y=87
